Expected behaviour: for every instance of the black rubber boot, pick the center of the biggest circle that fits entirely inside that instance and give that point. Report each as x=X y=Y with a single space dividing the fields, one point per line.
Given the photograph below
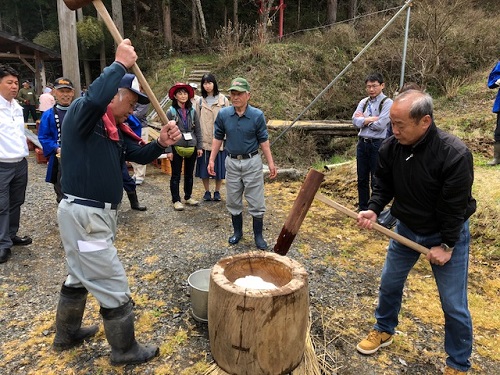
x=69 y=332
x=496 y=154
x=238 y=229
x=134 y=201
x=119 y=329
x=258 y=225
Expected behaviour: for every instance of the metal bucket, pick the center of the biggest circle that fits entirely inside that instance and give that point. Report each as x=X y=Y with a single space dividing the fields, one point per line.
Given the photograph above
x=198 y=290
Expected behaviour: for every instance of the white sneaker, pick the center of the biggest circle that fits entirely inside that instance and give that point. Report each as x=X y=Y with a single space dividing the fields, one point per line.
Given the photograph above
x=139 y=181
x=192 y=202
x=178 y=206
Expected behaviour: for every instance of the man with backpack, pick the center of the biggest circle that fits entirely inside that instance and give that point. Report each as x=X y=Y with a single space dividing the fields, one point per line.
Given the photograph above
x=372 y=119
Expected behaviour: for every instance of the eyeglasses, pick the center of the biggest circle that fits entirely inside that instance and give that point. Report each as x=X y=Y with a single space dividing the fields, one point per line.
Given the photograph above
x=368 y=87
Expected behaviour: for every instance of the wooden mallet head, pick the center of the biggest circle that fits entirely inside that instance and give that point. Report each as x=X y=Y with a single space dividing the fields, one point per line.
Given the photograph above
x=76 y=4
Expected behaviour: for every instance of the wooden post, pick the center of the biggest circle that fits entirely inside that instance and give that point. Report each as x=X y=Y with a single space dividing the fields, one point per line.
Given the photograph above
x=69 y=47
x=298 y=212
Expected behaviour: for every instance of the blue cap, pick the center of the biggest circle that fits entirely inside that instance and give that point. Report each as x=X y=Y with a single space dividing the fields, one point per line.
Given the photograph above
x=130 y=81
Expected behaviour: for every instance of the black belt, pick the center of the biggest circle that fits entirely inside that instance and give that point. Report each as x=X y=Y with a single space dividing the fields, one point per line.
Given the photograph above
x=369 y=140
x=96 y=204
x=244 y=156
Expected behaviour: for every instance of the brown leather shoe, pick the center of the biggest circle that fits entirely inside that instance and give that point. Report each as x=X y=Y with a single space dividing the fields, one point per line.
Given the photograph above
x=4 y=255
x=21 y=241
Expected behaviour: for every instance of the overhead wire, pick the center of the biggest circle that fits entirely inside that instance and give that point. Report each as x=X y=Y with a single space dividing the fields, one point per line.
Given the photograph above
x=403 y=7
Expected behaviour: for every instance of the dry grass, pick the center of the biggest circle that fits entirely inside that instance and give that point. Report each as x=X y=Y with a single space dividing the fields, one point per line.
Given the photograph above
x=359 y=247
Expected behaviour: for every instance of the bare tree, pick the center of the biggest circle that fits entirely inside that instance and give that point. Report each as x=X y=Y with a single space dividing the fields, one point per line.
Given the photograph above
x=437 y=19
x=263 y=19
x=331 y=12
x=167 y=23
x=201 y=16
x=352 y=9
x=299 y=5
x=235 y=13
x=117 y=14
x=194 y=29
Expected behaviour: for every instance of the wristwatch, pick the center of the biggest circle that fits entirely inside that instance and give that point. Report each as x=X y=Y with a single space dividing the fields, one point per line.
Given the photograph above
x=446 y=248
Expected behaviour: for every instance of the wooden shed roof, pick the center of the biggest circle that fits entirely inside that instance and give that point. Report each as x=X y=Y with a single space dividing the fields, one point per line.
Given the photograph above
x=14 y=47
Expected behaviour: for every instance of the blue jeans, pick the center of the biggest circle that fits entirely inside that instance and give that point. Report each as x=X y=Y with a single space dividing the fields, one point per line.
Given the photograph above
x=366 y=159
x=451 y=280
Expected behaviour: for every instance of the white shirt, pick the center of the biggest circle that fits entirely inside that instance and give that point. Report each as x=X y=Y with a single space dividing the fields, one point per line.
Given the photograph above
x=13 y=145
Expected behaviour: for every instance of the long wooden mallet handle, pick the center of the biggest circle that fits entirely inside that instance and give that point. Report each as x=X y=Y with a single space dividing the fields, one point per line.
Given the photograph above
x=397 y=237
x=108 y=21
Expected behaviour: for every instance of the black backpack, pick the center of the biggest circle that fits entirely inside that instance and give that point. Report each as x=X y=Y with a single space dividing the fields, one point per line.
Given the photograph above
x=381 y=105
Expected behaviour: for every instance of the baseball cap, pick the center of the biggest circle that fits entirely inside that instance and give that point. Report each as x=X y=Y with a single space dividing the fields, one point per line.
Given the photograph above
x=62 y=83
x=130 y=81
x=239 y=84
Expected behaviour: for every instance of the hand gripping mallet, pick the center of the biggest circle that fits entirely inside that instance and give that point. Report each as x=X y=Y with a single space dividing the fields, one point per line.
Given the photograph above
x=108 y=21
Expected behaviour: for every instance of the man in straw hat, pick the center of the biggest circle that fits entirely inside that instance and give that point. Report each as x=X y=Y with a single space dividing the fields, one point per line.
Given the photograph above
x=244 y=129
x=95 y=144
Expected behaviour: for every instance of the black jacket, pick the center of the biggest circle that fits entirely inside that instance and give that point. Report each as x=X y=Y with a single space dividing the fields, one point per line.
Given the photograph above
x=91 y=161
x=430 y=181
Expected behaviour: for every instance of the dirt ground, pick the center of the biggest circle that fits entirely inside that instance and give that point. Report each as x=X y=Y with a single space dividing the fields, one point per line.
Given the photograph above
x=160 y=248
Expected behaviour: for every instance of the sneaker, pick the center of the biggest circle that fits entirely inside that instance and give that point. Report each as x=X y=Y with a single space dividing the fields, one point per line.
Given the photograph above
x=207 y=197
x=139 y=181
x=217 y=196
x=451 y=371
x=192 y=202
x=374 y=341
x=178 y=206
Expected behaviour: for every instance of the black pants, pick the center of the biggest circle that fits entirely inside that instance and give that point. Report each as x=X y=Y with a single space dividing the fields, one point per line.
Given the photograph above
x=27 y=110
x=497 y=129
x=13 y=182
x=128 y=182
x=175 y=180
